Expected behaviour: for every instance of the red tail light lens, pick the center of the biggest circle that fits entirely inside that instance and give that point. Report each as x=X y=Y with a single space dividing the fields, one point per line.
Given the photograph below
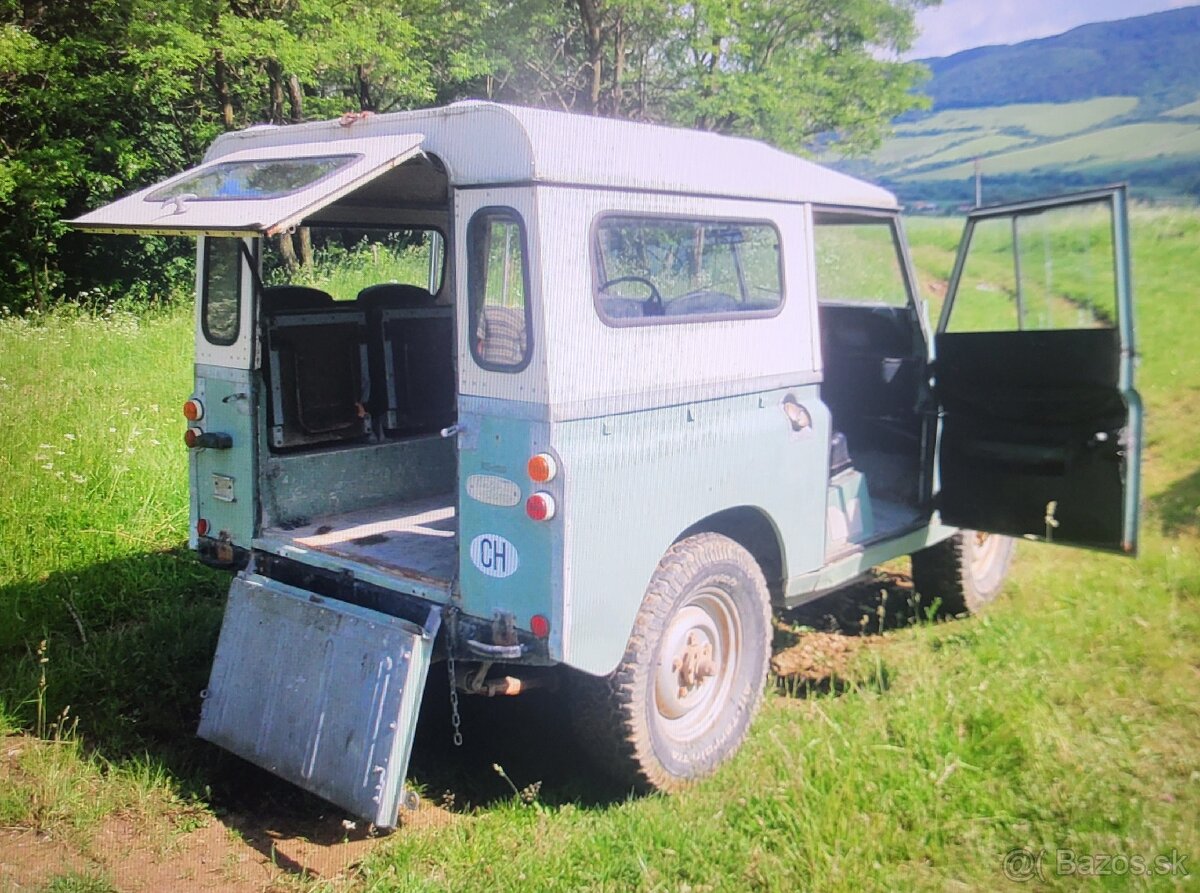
x=540 y=506
x=539 y=626
x=191 y=437
x=202 y=527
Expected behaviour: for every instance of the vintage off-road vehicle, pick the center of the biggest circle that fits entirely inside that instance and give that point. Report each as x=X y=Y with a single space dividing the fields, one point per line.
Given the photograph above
x=597 y=394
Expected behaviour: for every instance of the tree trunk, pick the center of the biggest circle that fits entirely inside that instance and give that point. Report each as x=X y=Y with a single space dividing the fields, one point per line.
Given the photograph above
x=593 y=36
x=363 y=76
x=617 y=94
x=306 y=249
x=287 y=251
x=275 y=84
x=295 y=100
x=221 y=86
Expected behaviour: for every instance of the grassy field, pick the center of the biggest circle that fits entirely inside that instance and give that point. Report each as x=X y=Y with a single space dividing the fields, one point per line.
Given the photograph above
x=1091 y=141
x=1066 y=720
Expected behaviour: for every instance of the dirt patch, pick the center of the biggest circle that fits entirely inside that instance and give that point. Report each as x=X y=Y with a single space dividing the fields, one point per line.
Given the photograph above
x=816 y=660
x=238 y=852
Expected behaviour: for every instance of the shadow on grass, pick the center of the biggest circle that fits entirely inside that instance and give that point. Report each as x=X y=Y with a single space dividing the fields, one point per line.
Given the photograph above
x=130 y=648
x=1178 y=507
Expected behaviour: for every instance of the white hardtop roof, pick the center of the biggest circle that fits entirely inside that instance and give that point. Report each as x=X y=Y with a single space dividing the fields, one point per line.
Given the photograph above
x=484 y=143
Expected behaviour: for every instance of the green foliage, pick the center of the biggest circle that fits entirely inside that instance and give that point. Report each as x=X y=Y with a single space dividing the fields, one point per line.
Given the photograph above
x=102 y=96
x=764 y=68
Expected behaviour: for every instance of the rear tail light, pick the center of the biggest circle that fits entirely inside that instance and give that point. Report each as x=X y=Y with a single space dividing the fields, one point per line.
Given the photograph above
x=202 y=527
x=542 y=468
x=193 y=410
x=191 y=437
x=539 y=626
x=540 y=506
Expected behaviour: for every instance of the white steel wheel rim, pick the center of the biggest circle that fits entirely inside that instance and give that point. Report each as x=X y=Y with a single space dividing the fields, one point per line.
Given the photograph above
x=986 y=553
x=709 y=617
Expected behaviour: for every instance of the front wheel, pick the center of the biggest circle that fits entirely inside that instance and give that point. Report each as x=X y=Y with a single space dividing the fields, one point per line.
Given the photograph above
x=965 y=572
x=680 y=702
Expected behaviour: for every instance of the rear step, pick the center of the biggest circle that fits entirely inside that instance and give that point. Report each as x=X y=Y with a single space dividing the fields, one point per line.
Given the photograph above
x=322 y=693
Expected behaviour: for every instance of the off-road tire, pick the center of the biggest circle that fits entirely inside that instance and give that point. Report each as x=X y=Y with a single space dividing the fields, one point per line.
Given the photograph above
x=965 y=572
x=638 y=728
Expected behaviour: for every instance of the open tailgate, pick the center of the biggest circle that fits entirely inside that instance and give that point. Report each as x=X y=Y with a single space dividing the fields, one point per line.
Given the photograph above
x=322 y=693
x=261 y=191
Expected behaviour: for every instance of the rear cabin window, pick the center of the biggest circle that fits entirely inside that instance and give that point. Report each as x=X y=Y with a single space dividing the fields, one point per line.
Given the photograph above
x=498 y=284
x=665 y=269
x=221 y=302
x=402 y=265
x=262 y=179
x=858 y=260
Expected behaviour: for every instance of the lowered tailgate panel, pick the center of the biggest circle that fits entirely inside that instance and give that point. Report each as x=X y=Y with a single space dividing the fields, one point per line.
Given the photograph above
x=322 y=693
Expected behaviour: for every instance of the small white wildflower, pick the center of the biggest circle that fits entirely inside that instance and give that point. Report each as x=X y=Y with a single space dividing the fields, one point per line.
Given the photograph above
x=78 y=478
x=112 y=430
x=129 y=450
x=59 y=453
x=45 y=446
x=156 y=443
x=69 y=436
x=48 y=466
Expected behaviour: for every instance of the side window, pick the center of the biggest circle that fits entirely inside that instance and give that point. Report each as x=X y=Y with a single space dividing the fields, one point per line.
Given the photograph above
x=498 y=286
x=221 y=302
x=1053 y=269
x=858 y=260
x=651 y=267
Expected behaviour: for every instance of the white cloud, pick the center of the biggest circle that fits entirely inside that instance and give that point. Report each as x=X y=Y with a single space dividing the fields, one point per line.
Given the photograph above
x=961 y=24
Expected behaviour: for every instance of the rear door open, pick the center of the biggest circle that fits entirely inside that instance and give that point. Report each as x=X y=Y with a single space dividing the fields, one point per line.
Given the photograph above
x=260 y=191
x=1041 y=424
x=317 y=690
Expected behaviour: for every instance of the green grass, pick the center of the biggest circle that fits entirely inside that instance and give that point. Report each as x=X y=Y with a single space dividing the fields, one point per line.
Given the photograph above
x=1112 y=145
x=1039 y=119
x=1066 y=717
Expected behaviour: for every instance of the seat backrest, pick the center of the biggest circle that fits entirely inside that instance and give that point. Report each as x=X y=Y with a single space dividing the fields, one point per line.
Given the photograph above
x=501 y=335
x=396 y=294
x=277 y=298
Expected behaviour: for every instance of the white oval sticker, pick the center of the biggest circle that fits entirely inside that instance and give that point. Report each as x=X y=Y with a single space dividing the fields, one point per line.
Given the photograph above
x=493 y=555
x=492 y=490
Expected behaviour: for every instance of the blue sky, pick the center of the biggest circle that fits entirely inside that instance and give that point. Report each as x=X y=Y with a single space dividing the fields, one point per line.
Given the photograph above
x=961 y=24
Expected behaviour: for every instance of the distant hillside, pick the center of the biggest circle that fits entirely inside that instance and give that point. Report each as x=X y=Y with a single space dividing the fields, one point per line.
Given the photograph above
x=1152 y=57
x=1112 y=101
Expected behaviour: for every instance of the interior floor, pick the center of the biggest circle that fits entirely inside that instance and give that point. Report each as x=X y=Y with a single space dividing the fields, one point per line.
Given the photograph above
x=416 y=540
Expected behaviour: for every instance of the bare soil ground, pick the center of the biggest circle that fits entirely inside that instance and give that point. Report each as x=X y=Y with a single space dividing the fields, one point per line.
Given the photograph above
x=234 y=852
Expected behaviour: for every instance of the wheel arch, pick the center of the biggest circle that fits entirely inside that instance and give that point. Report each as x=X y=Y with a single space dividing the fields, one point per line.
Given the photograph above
x=755 y=531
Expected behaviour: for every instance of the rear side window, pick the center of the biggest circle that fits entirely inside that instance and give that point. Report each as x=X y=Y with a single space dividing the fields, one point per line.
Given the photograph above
x=221 y=302
x=498 y=284
x=663 y=269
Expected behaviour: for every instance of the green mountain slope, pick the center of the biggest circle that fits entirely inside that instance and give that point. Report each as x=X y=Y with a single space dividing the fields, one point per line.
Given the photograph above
x=1112 y=101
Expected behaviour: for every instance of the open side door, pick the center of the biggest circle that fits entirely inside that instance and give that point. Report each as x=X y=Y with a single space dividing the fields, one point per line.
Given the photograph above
x=1040 y=423
x=261 y=191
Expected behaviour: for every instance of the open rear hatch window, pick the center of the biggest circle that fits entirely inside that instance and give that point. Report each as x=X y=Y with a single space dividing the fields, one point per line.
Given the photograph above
x=261 y=191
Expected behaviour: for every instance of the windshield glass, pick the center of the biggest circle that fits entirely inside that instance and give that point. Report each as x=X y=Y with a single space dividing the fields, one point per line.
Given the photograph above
x=259 y=179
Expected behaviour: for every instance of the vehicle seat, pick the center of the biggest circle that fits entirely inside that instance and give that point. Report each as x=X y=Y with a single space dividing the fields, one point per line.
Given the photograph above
x=396 y=294
x=412 y=357
x=278 y=298
x=839 y=454
x=500 y=336
x=317 y=370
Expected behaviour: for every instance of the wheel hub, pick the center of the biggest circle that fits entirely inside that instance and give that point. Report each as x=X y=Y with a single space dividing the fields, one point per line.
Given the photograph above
x=694 y=663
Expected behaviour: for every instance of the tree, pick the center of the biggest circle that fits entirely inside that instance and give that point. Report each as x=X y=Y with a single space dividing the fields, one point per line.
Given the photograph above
x=783 y=70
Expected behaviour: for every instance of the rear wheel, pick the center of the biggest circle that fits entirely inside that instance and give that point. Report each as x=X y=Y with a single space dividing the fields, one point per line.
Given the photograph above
x=965 y=572
x=680 y=702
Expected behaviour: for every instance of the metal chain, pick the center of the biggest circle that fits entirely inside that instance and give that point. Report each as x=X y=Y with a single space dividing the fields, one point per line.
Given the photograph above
x=455 y=719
